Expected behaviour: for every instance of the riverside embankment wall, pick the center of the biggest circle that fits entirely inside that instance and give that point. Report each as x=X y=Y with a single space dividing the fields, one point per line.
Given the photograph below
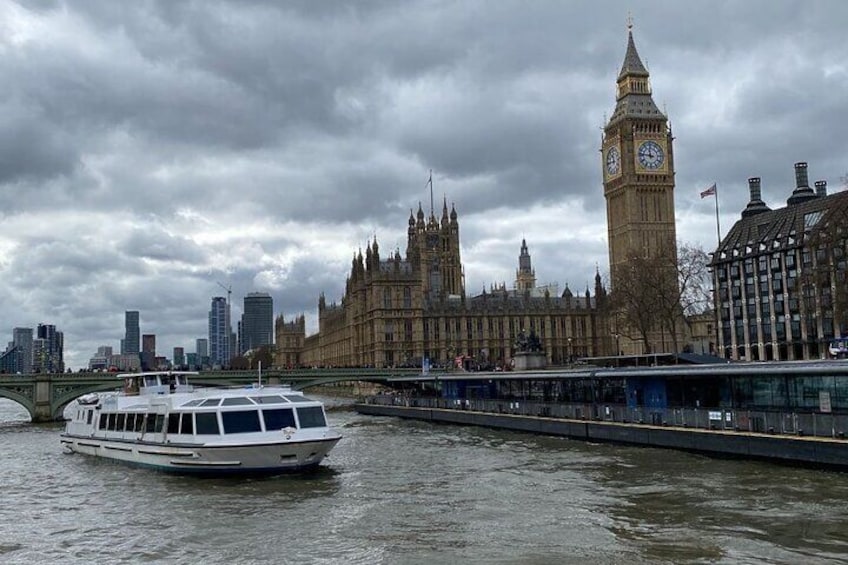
x=812 y=451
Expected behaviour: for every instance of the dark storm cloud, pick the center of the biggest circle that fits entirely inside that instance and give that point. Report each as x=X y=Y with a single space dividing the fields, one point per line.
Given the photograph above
x=150 y=150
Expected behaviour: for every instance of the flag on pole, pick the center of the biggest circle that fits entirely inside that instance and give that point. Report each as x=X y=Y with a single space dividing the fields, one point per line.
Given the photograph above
x=709 y=192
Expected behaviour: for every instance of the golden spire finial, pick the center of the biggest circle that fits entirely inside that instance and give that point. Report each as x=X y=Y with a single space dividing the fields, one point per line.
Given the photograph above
x=629 y=21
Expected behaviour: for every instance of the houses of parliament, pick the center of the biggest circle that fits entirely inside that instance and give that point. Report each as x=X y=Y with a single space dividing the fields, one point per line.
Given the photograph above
x=402 y=310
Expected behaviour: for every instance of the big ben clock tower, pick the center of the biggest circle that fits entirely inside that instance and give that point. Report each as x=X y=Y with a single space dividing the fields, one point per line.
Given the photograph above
x=638 y=169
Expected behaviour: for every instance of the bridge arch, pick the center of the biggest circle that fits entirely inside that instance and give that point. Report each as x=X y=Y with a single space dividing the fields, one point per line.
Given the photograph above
x=20 y=398
x=62 y=396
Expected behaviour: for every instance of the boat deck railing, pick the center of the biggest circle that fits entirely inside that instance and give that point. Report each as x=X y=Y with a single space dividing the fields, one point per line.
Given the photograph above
x=816 y=424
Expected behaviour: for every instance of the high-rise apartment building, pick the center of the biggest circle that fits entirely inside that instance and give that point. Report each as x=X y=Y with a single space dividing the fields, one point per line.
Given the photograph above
x=22 y=338
x=48 y=350
x=201 y=347
x=130 y=344
x=257 y=321
x=220 y=332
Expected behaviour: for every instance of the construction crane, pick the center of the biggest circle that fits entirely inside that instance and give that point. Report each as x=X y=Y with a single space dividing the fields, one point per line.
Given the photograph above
x=229 y=290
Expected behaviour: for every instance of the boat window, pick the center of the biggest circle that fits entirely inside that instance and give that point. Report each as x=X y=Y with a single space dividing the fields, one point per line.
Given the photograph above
x=187 y=425
x=110 y=422
x=278 y=418
x=207 y=423
x=173 y=422
x=150 y=422
x=211 y=402
x=236 y=401
x=311 y=417
x=122 y=420
x=298 y=399
x=273 y=399
x=101 y=423
x=88 y=419
x=150 y=381
x=139 y=422
x=130 y=422
x=160 y=423
x=195 y=402
x=241 y=421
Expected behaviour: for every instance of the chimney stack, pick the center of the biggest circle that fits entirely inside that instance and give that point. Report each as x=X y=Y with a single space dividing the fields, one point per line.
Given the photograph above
x=802 y=191
x=754 y=188
x=821 y=188
x=801 y=175
x=756 y=205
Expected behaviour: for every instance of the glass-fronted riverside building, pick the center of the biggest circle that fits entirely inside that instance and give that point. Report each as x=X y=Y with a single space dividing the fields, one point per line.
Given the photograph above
x=753 y=395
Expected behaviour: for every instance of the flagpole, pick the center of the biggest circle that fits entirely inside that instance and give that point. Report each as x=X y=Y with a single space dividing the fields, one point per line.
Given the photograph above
x=430 y=182
x=718 y=225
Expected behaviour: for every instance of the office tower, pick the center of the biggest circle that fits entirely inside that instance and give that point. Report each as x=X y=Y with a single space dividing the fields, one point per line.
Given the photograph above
x=257 y=322
x=131 y=340
x=148 y=352
x=101 y=360
x=22 y=338
x=779 y=276
x=179 y=357
x=202 y=348
x=219 y=332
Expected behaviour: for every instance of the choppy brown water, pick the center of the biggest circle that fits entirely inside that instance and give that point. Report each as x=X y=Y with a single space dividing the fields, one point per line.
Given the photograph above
x=407 y=492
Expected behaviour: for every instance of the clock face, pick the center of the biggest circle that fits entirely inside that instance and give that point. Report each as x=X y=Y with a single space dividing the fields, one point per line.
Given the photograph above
x=651 y=155
x=613 y=161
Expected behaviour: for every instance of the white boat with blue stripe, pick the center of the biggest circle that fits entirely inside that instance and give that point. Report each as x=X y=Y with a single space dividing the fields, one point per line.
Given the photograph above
x=160 y=421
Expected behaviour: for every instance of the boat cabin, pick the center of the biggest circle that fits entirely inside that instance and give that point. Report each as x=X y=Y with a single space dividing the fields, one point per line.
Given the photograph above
x=155 y=383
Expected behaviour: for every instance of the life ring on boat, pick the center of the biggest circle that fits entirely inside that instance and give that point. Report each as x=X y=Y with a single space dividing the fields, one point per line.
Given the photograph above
x=289 y=431
x=88 y=399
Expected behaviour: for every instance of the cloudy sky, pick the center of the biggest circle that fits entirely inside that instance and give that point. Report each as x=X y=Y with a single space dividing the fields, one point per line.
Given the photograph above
x=152 y=150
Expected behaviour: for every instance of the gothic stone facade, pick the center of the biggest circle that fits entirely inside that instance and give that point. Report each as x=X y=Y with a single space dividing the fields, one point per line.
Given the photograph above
x=398 y=311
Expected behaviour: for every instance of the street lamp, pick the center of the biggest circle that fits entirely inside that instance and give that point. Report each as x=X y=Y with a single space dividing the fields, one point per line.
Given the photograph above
x=570 y=354
x=617 y=349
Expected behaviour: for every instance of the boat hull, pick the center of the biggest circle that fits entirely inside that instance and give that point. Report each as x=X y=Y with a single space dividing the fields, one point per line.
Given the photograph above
x=266 y=458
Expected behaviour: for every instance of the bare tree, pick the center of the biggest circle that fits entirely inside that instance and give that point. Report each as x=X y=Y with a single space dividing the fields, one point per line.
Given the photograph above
x=635 y=301
x=660 y=290
x=695 y=280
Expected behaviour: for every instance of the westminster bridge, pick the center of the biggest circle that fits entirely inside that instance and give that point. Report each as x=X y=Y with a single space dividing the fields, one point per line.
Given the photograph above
x=45 y=396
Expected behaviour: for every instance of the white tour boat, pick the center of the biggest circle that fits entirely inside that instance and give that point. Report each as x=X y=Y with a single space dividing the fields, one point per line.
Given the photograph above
x=160 y=421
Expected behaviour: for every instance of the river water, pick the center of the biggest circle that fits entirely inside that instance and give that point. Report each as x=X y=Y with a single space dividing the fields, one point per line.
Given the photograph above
x=395 y=491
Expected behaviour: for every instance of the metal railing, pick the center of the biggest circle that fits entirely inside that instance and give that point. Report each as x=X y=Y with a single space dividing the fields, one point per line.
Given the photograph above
x=757 y=421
